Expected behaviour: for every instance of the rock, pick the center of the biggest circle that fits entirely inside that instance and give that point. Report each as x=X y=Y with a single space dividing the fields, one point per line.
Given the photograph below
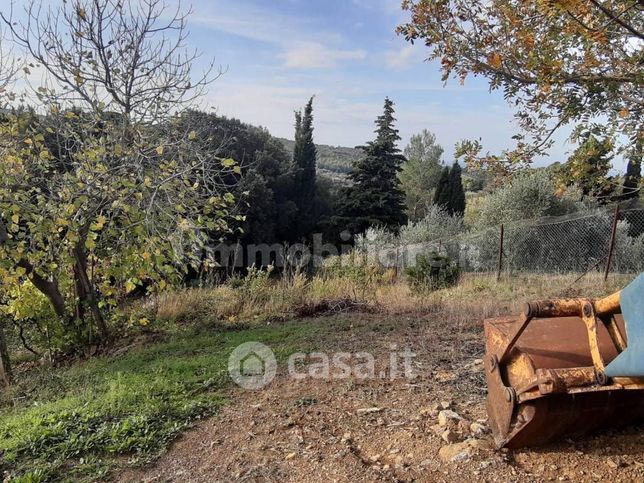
x=446 y=415
x=455 y=452
x=464 y=427
x=431 y=411
x=369 y=410
x=445 y=405
x=614 y=464
x=449 y=436
x=478 y=429
x=480 y=444
x=290 y=456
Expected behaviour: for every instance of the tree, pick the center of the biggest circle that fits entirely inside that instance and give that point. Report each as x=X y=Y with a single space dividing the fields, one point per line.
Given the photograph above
x=263 y=184
x=375 y=198
x=442 y=193
x=456 y=204
x=633 y=177
x=420 y=173
x=588 y=168
x=558 y=62
x=304 y=164
x=527 y=195
x=5 y=361
x=449 y=194
x=104 y=192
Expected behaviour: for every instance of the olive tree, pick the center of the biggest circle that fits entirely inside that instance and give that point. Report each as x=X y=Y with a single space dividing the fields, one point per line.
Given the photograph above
x=102 y=191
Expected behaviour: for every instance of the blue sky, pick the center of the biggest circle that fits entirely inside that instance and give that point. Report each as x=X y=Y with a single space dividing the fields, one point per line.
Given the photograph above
x=345 y=52
x=278 y=53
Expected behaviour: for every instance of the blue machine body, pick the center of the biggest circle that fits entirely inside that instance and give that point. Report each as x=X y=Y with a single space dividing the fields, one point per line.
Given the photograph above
x=630 y=363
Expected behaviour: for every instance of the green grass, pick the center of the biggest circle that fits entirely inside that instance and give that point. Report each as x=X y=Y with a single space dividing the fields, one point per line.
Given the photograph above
x=83 y=421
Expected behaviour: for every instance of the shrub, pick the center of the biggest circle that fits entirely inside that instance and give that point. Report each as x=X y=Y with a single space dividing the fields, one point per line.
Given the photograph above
x=433 y=272
x=530 y=194
x=437 y=224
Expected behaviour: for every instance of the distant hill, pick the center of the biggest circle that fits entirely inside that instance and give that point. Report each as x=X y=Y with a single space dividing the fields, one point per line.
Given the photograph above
x=334 y=161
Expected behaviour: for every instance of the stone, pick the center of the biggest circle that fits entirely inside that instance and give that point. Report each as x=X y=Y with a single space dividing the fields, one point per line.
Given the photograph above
x=478 y=429
x=446 y=415
x=445 y=405
x=464 y=427
x=455 y=452
x=290 y=456
x=449 y=436
x=481 y=444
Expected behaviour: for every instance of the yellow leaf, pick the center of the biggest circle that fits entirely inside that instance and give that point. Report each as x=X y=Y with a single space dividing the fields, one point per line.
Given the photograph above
x=145 y=256
x=624 y=113
x=129 y=286
x=15 y=218
x=160 y=150
x=20 y=271
x=192 y=135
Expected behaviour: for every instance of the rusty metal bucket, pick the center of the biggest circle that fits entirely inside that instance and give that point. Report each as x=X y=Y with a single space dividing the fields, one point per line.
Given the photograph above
x=546 y=371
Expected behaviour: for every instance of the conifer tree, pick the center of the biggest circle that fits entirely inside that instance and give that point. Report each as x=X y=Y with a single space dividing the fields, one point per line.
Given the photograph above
x=456 y=204
x=442 y=193
x=633 y=175
x=304 y=164
x=375 y=199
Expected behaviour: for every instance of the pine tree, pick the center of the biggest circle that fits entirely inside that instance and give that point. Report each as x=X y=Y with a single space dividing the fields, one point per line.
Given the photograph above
x=420 y=173
x=633 y=175
x=442 y=194
x=304 y=155
x=456 y=204
x=375 y=199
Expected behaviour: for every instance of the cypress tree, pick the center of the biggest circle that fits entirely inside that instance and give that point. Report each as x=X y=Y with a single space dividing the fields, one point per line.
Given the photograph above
x=375 y=198
x=456 y=204
x=304 y=163
x=443 y=190
x=633 y=172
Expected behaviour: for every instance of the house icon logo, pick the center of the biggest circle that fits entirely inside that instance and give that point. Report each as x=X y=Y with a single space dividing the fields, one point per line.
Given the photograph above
x=252 y=365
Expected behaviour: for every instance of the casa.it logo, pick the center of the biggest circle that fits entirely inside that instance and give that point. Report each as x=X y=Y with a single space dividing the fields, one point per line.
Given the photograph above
x=252 y=365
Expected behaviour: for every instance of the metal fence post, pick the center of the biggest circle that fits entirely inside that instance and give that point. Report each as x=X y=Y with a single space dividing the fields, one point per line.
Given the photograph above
x=611 y=243
x=500 y=265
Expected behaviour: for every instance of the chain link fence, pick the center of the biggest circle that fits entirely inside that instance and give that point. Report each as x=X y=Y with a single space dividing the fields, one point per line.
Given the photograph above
x=575 y=243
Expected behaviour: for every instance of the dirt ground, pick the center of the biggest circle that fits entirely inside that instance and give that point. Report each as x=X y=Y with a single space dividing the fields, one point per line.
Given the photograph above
x=382 y=429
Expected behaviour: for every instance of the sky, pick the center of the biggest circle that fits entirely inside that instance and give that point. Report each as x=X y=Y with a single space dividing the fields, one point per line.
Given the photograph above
x=276 y=54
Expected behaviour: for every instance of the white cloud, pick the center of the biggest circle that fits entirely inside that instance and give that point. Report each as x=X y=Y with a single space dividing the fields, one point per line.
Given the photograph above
x=401 y=58
x=316 y=56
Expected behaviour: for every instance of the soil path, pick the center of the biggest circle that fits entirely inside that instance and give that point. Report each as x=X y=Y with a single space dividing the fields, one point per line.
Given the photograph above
x=381 y=429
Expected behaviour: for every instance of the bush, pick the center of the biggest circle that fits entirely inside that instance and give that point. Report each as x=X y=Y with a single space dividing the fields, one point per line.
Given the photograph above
x=528 y=195
x=437 y=224
x=433 y=272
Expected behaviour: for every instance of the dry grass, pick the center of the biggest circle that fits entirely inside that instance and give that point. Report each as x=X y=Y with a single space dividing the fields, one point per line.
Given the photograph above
x=475 y=297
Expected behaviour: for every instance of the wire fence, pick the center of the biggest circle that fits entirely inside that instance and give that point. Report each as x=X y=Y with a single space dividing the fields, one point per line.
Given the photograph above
x=575 y=243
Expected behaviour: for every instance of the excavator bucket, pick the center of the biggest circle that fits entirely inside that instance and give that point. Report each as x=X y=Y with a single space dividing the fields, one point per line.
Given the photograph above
x=566 y=367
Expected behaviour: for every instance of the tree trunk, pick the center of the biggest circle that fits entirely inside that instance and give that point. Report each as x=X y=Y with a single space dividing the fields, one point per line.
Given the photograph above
x=48 y=288
x=5 y=362
x=87 y=289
